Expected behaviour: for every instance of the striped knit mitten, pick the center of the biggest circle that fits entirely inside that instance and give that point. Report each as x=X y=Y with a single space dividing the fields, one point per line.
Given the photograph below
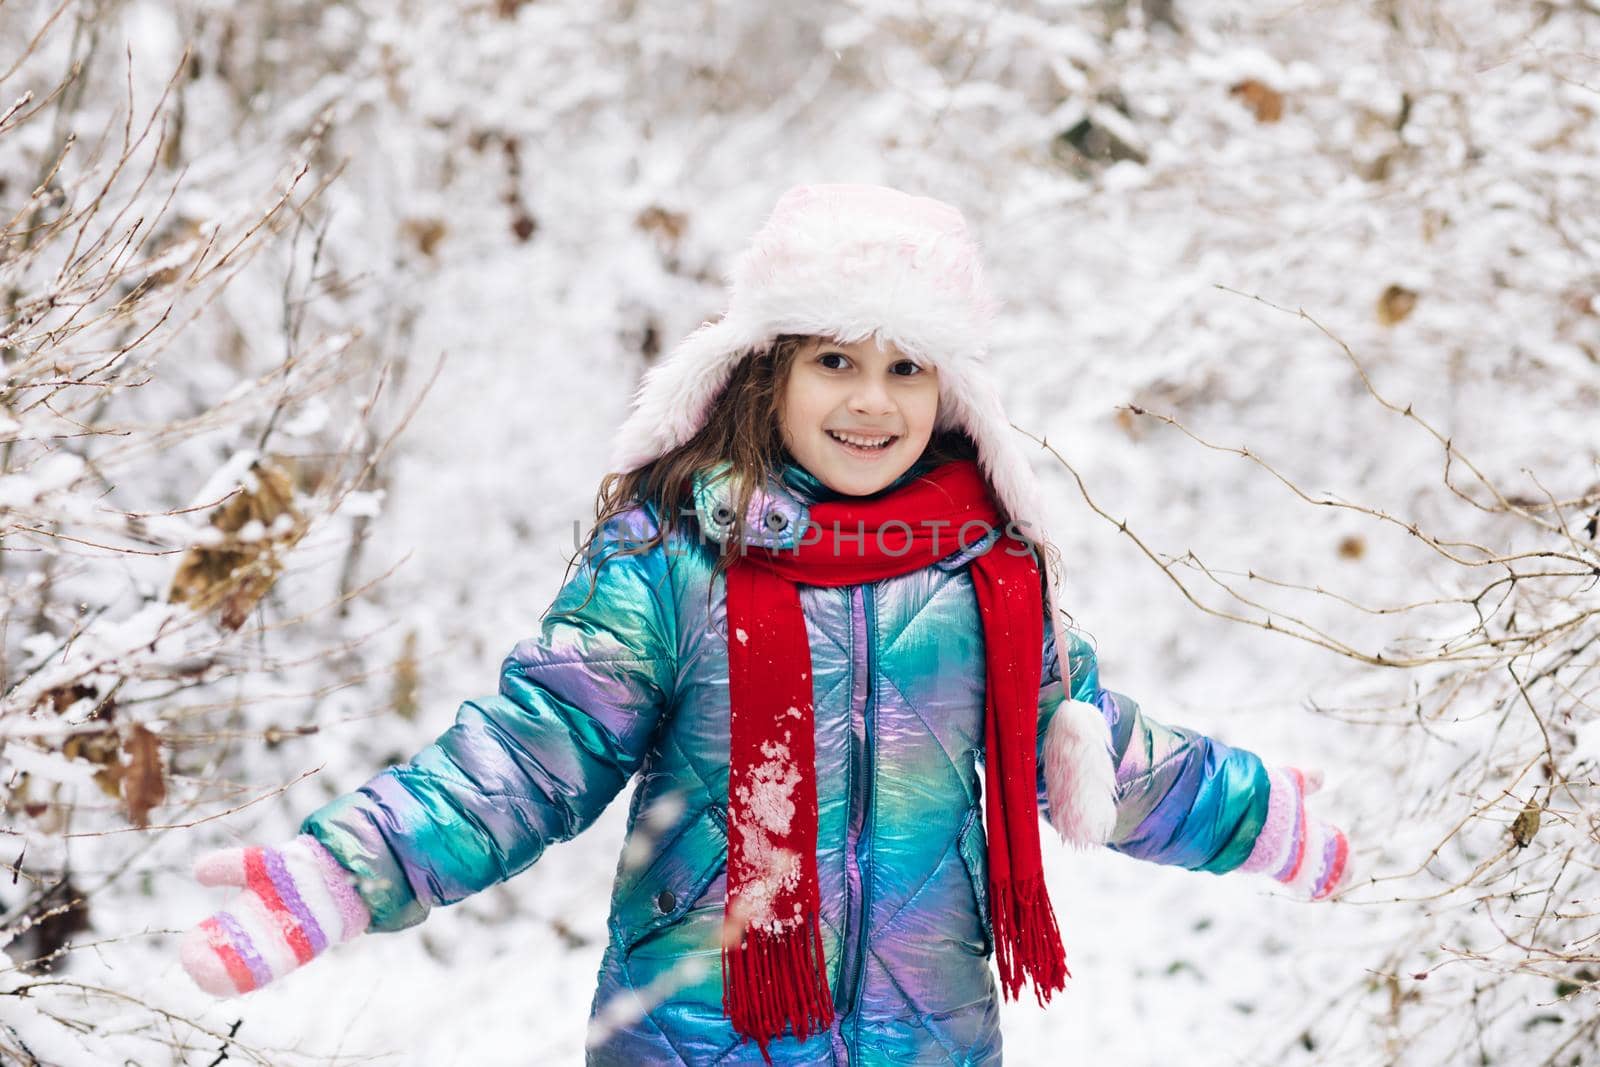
x=1309 y=856
x=297 y=901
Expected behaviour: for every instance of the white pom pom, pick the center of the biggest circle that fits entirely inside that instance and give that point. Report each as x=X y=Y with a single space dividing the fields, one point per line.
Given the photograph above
x=1080 y=779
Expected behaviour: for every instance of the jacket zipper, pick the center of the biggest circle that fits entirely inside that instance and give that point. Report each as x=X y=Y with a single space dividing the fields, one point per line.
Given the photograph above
x=858 y=842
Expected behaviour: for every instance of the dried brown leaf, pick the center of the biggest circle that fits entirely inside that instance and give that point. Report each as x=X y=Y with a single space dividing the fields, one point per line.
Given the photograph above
x=1265 y=102
x=1395 y=304
x=1525 y=825
x=425 y=233
x=63 y=697
x=142 y=784
x=405 y=678
x=235 y=574
x=665 y=226
x=99 y=746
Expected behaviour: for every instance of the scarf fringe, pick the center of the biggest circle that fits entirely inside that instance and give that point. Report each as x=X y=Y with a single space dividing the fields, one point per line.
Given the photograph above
x=770 y=980
x=1026 y=941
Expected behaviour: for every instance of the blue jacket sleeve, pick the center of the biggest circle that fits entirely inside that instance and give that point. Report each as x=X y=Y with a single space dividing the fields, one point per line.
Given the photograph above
x=1182 y=798
x=535 y=763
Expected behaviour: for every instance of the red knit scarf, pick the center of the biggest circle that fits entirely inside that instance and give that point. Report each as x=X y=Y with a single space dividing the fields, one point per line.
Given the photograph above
x=772 y=960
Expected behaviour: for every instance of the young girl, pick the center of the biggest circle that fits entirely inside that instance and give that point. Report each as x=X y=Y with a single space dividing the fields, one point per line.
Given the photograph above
x=816 y=598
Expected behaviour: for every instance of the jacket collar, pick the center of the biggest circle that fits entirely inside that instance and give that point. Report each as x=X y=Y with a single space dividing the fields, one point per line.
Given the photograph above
x=778 y=510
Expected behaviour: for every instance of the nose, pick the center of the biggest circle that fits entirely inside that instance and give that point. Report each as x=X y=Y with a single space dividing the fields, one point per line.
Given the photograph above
x=871 y=398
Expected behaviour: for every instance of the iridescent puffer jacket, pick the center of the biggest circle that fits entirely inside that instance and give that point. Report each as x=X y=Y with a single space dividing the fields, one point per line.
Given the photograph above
x=635 y=681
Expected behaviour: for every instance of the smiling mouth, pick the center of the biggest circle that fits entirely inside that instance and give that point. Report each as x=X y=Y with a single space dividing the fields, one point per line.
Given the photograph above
x=859 y=445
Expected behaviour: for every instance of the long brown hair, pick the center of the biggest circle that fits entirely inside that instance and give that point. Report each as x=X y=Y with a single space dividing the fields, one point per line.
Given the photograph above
x=743 y=429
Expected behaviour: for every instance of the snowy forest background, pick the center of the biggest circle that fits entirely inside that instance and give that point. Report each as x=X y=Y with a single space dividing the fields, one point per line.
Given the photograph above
x=316 y=320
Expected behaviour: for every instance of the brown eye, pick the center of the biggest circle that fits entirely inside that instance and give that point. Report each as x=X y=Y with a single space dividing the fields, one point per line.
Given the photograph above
x=912 y=369
x=832 y=355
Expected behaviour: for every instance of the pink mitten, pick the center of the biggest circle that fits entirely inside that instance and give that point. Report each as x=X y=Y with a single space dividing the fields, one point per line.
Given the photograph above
x=297 y=900
x=1309 y=856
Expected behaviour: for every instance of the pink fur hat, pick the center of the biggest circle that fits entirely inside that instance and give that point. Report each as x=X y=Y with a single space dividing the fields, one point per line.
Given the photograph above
x=858 y=261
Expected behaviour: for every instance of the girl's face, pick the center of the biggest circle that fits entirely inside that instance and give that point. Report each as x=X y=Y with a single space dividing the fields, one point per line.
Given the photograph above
x=864 y=392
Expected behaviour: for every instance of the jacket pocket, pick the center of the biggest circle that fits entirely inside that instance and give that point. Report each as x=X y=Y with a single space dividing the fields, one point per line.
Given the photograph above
x=975 y=857
x=674 y=881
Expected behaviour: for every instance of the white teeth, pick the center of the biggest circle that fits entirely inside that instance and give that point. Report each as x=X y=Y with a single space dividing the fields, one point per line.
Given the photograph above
x=861 y=442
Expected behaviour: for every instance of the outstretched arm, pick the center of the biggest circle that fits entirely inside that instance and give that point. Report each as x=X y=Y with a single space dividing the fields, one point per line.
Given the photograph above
x=535 y=763
x=1182 y=798
x=1189 y=800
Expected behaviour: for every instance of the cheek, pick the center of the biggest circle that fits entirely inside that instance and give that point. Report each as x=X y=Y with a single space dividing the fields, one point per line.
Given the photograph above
x=802 y=406
x=927 y=409
x=791 y=417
